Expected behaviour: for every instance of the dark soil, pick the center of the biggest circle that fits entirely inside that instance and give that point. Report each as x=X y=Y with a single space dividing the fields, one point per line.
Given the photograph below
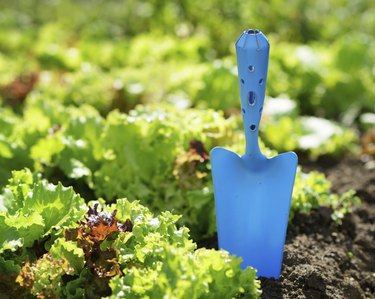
x=322 y=260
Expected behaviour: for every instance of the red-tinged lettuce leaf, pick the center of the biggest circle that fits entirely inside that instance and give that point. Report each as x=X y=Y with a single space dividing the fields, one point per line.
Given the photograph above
x=191 y=167
x=44 y=277
x=80 y=260
x=98 y=229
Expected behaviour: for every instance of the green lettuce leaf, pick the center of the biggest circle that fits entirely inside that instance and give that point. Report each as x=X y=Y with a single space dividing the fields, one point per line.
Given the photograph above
x=10 y=239
x=59 y=206
x=69 y=250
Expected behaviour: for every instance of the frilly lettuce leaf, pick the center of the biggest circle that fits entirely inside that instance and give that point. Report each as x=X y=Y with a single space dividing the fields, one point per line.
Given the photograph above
x=59 y=206
x=160 y=260
x=9 y=236
x=32 y=208
x=153 y=258
x=63 y=249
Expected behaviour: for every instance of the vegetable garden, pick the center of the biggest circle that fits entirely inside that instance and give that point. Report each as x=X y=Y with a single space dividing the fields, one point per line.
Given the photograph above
x=108 y=112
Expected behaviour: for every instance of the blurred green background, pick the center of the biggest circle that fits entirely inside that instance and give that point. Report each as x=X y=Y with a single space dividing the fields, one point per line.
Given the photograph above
x=116 y=54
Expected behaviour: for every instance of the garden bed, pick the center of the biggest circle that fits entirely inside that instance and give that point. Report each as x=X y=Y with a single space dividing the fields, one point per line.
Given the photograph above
x=127 y=101
x=322 y=260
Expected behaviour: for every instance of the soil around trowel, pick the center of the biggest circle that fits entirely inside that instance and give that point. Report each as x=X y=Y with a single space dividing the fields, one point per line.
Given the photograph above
x=322 y=260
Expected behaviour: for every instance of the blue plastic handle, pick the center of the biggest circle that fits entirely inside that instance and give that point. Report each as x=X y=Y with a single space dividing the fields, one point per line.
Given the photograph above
x=252 y=61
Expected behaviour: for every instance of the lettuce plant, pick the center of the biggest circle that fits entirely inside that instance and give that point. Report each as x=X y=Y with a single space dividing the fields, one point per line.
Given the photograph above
x=312 y=190
x=156 y=154
x=54 y=245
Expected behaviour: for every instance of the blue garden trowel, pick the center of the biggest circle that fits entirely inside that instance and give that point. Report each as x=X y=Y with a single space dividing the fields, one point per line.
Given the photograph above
x=252 y=192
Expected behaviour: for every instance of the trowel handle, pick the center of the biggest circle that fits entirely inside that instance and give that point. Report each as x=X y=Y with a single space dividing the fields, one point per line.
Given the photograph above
x=252 y=61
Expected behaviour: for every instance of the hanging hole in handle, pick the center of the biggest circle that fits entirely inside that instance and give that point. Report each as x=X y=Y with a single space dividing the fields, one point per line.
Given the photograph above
x=252 y=31
x=253 y=127
x=251 y=98
x=251 y=68
x=260 y=81
x=260 y=110
x=243 y=111
x=242 y=81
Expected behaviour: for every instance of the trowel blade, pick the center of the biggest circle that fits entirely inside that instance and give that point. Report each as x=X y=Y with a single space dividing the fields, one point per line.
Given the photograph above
x=252 y=198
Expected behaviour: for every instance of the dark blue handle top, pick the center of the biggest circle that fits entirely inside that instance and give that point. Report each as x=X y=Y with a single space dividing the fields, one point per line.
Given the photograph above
x=252 y=60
